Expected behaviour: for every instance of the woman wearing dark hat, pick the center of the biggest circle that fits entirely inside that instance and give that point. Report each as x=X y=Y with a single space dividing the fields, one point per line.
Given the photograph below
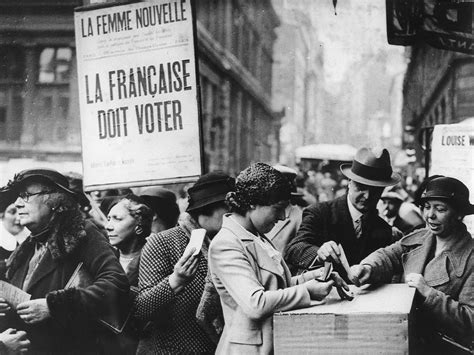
x=249 y=274
x=59 y=319
x=163 y=204
x=437 y=261
x=170 y=283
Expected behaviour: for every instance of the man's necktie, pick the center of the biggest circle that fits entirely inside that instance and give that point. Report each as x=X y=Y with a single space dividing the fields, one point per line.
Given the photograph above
x=358 y=228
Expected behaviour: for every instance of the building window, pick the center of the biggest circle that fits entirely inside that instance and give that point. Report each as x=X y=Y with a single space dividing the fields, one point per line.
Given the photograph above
x=55 y=65
x=12 y=63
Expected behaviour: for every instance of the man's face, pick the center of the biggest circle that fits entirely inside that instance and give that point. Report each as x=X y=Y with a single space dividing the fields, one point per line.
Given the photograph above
x=33 y=212
x=363 y=197
x=391 y=207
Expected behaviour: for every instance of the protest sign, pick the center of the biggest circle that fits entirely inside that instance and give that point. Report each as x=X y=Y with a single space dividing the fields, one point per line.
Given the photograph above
x=138 y=94
x=453 y=155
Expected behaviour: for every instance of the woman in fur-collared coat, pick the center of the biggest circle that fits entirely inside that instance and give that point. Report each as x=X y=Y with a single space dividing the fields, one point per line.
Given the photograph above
x=59 y=319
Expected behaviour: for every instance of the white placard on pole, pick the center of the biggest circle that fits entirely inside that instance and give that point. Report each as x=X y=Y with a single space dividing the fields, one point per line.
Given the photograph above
x=138 y=94
x=452 y=155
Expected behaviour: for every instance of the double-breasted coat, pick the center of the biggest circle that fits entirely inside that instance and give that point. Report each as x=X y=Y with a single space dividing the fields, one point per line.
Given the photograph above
x=449 y=306
x=252 y=286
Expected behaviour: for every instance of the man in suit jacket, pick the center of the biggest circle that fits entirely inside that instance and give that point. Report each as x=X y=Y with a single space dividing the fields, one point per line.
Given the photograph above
x=351 y=220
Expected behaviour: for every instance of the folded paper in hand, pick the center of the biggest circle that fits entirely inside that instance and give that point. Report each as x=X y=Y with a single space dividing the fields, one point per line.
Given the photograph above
x=196 y=240
x=12 y=294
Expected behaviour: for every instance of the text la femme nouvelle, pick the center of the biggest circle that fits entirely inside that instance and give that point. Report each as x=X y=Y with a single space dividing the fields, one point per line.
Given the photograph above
x=151 y=80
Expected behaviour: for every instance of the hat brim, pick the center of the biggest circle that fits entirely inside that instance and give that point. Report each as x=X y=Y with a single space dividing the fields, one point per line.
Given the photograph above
x=346 y=170
x=206 y=202
x=467 y=209
x=10 y=194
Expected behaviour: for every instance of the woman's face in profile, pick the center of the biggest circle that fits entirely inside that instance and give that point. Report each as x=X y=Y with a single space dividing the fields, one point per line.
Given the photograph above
x=121 y=225
x=264 y=217
x=440 y=217
x=11 y=220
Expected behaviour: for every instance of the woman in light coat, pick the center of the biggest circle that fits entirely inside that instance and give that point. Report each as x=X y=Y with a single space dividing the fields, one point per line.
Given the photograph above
x=249 y=274
x=437 y=261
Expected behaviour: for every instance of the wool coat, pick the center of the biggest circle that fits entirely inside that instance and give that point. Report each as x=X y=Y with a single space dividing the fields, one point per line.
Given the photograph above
x=73 y=325
x=252 y=286
x=332 y=220
x=449 y=306
x=174 y=328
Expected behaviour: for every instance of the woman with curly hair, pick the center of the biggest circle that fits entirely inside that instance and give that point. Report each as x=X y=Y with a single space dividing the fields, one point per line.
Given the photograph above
x=128 y=225
x=59 y=319
x=250 y=275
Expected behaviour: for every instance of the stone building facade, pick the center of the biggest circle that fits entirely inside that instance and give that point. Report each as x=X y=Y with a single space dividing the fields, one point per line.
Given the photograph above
x=39 y=110
x=438 y=89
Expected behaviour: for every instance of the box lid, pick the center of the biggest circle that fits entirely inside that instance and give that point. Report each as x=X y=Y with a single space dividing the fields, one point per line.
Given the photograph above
x=390 y=298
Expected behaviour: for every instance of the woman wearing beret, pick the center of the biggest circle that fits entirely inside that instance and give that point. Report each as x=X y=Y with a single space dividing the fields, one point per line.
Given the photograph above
x=437 y=261
x=249 y=274
x=58 y=319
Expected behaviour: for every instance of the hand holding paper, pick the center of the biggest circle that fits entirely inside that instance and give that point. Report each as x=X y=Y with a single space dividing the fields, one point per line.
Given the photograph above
x=196 y=240
x=12 y=295
x=345 y=263
x=187 y=265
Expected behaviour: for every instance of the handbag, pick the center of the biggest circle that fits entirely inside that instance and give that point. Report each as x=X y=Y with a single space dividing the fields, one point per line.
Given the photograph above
x=116 y=315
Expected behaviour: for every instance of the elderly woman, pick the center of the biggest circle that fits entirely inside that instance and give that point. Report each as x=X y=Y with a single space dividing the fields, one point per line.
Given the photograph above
x=438 y=261
x=128 y=225
x=58 y=319
x=249 y=274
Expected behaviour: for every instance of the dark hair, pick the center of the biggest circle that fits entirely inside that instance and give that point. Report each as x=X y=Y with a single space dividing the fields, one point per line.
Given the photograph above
x=140 y=211
x=165 y=208
x=259 y=184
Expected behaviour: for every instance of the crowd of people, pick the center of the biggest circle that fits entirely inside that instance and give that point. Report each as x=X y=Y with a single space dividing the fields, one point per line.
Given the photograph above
x=110 y=273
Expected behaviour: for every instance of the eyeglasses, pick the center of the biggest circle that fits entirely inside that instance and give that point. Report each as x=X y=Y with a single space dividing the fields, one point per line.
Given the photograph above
x=25 y=196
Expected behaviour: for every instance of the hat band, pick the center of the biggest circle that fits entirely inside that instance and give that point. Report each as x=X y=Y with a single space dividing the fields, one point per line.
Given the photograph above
x=207 y=192
x=370 y=172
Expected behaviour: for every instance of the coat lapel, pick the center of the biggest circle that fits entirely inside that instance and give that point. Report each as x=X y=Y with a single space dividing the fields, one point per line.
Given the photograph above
x=264 y=261
x=45 y=267
x=415 y=260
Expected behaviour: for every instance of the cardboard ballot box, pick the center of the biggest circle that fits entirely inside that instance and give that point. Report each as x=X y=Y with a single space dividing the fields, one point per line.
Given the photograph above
x=377 y=321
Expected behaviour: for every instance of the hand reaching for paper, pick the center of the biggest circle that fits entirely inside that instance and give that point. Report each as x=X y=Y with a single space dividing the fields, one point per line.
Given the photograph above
x=329 y=251
x=360 y=274
x=33 y=311
x=4 y=307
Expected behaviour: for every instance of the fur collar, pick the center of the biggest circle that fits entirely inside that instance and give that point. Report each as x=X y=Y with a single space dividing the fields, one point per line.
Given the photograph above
x=65 y=234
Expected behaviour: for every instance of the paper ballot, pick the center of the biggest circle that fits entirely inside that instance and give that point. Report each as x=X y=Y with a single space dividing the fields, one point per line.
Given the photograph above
x=197 y=237
x=345 y=263
x=12 y=294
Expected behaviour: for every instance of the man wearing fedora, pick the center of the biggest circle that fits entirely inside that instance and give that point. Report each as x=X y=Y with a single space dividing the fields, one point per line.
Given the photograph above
x=392 y=202
x=171 y=282
x=351 y=220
